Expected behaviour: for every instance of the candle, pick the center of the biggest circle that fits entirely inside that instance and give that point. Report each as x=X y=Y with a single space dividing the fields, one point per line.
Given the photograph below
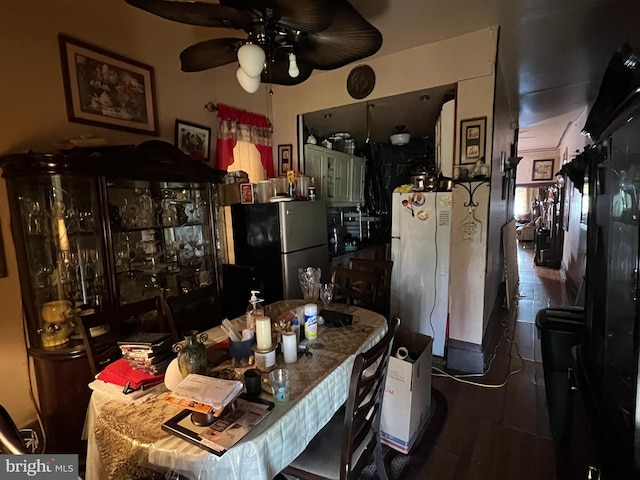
x=289 y=347
x=263 y=333
x=63 y=237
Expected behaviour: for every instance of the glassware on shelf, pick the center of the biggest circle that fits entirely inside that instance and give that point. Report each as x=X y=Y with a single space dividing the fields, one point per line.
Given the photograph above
x=57 y=323
x=145 y=211
x=169 y=214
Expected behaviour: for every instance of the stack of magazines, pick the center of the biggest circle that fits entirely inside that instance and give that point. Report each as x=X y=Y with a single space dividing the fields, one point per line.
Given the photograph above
x=149 y=352
x=204 y=394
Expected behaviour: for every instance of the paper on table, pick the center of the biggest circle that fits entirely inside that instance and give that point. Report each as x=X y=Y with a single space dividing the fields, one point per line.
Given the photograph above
x=216 y=392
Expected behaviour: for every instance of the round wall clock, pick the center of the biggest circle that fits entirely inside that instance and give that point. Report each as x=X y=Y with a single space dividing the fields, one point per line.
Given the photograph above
x=361 y=81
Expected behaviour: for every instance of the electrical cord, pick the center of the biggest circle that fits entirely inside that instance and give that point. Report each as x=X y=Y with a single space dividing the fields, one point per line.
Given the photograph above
x=461 y=378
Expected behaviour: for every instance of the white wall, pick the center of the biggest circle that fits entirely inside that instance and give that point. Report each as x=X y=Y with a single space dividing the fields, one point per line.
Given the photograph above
x=524 y=176
x=574 y=252
x=469 y=61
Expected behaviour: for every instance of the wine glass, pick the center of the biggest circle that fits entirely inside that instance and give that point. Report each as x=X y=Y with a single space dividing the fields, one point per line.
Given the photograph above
x=326 y=293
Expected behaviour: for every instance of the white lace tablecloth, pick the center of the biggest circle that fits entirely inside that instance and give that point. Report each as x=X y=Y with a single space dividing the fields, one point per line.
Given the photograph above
x=125 y=440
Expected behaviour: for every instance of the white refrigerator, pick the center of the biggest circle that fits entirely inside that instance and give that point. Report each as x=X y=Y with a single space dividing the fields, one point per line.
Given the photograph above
x=420 y=233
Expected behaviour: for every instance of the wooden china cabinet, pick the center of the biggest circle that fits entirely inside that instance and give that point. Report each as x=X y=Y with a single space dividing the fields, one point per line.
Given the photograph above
x=94 y=229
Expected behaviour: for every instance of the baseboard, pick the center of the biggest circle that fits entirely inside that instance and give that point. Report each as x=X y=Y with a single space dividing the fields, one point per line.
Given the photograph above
x=464 y=357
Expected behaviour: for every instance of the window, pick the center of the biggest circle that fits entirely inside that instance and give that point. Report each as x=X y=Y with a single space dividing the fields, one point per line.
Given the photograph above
x=247 y=158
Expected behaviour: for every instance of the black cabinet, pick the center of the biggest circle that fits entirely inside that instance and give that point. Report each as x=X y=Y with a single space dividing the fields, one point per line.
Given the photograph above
x=608 y=358
x=95 y=229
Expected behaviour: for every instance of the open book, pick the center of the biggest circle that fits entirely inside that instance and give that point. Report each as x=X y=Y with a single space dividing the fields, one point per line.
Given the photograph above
x=226 y=430
x=197 y=392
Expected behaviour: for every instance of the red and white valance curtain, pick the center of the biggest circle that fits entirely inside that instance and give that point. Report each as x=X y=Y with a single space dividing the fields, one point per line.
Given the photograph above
x=235 y=124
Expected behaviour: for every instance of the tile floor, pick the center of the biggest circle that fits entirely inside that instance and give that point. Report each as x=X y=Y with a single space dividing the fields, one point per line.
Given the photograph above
x=502 y=432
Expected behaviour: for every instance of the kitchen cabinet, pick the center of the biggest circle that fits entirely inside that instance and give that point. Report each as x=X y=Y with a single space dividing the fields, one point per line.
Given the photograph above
x=339 y=177
x=95 y=229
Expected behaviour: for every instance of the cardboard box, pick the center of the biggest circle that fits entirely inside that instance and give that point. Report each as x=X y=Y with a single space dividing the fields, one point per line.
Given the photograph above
x=229 y=193
x=407 y=394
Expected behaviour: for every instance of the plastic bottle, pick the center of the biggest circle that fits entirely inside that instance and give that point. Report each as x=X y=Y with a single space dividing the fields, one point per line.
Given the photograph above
x=311 y=190
x=311 y=321
x=254 y=309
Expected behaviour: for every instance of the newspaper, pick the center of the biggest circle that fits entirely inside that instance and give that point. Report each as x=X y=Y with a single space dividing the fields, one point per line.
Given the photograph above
x=215 y=392
x=226 y=431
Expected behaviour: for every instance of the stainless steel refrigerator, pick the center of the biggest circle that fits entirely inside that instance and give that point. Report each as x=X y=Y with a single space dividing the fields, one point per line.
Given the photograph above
x=277 y=239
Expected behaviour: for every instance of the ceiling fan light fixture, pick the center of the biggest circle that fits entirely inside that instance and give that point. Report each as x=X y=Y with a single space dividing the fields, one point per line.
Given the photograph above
x=294 y=71
x=248 y=84
x=251 y=59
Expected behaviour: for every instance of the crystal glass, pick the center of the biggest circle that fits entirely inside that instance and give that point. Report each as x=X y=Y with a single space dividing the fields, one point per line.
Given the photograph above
x=326 y=293
x=309 y=278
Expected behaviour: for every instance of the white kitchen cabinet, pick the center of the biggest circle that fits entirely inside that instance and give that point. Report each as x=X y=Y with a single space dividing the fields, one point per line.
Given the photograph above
x=358 y=172
x=339 y=177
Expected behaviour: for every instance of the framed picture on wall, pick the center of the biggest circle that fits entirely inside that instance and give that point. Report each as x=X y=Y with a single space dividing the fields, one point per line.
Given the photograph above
x=193 y=139
x=472 y=140
x=542 y=170
x=285 y=159
x=106 y=89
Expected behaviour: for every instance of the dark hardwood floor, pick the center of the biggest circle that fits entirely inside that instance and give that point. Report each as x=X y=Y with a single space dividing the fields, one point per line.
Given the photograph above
x=503 y=433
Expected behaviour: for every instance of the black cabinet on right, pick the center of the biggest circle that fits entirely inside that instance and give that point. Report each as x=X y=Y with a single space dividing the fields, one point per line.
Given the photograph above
x=608 y=360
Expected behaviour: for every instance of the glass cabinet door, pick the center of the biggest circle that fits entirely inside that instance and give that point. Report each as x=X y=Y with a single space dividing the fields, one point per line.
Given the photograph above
x=161 y=238
x=60 y=224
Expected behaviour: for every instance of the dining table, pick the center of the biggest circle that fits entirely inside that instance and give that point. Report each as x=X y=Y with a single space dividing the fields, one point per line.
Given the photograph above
x=125 y=438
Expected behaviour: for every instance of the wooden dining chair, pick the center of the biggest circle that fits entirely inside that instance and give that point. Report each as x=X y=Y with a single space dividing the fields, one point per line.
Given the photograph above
x=356 y=287
x=10 y=439
x=100 y=334
x=102 y=330
x=197 y=310
x=383 y=267
x=352 y=437
x=149 y=315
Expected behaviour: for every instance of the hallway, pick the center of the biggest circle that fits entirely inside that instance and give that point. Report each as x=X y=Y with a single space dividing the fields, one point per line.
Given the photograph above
x=502 y=431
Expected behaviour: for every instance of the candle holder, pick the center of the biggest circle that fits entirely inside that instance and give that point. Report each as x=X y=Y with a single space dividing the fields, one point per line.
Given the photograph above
x=265 y=359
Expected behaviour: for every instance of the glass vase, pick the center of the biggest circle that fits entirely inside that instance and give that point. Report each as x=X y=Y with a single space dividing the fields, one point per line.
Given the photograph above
x=192 y=354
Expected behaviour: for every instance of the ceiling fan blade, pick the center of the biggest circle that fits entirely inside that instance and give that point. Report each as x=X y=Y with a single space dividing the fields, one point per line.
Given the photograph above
x=210 y=54
x=278 y=71
x=303 y=15
x=196 y=13
x=349 y=38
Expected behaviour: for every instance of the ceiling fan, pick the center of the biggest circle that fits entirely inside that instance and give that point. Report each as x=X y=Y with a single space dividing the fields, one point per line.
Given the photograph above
x=287 y=39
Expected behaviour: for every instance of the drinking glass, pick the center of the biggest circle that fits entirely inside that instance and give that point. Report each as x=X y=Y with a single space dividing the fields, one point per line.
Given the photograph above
x=326 y=293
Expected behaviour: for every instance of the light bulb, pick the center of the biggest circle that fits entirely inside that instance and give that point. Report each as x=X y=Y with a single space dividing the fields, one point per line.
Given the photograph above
x=249 y=84
x=251 y=59
x=293 y=66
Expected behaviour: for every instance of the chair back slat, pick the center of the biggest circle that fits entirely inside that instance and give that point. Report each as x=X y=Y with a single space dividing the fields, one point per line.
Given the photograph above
x=384 y=268
x=356 y=287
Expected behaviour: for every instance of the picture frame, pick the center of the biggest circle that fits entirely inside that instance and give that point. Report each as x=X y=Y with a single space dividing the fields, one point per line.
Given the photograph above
x=472 y=140
x=285 y=159
x=108 y=90
x=542 y=170
x=193 y=139
x=246 y=193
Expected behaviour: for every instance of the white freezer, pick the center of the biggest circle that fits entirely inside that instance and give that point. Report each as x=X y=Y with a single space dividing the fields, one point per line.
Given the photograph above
x=420 y=246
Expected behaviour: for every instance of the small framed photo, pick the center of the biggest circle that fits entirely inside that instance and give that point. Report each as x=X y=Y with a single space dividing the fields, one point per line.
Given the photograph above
x=193 y=139
x=108 y=90
x=246 y=193
x=472 y=139
x=542 y=170
x=285 y=159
